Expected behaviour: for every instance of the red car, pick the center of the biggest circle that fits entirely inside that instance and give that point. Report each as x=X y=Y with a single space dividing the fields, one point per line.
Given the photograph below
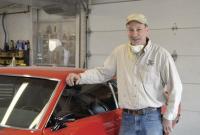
x=37 y=101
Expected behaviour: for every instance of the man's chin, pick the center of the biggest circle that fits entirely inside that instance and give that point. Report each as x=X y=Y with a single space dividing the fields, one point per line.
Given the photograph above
x=135 y=43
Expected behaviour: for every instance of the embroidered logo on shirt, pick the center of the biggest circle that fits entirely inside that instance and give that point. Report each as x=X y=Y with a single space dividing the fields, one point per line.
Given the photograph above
x=150 y=62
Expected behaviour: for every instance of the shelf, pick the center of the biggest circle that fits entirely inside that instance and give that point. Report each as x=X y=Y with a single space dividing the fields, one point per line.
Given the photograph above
x=11 y=54
x=21 y=57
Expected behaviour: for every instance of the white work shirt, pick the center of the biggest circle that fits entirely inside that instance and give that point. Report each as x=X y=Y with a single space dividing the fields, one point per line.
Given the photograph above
x=141 y=78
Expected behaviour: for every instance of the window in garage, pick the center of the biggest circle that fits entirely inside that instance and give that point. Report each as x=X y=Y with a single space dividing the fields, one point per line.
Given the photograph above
x=56 y=40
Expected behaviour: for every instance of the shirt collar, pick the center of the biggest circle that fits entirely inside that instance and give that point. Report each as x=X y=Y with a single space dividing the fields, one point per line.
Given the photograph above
x=148 y=46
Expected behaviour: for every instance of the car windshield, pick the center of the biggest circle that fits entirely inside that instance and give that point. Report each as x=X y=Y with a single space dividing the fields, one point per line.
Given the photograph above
x=23 y=100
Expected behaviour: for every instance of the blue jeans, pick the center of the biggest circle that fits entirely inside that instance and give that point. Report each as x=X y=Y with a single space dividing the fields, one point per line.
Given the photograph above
x=146 y=124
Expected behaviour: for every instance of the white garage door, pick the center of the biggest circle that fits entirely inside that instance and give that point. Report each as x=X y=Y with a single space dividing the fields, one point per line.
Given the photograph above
x=174 y=24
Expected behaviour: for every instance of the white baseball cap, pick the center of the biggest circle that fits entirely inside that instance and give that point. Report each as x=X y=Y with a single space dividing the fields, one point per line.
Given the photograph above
x=136 y=17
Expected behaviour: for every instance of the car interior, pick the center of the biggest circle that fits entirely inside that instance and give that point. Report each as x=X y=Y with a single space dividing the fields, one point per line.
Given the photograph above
x=84 y=100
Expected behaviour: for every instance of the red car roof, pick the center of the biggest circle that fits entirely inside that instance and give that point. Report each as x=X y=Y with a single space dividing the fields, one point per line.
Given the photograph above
x=45 y=72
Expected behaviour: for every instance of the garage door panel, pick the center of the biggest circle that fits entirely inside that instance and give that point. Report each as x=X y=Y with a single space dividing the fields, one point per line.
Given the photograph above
x=188 y=118
x=178 y=40
x=190 y=97
x=188 y=65
x=101 y=42
x=188 y=68
x=113 y=15
x=96 y=60
x=109 y=19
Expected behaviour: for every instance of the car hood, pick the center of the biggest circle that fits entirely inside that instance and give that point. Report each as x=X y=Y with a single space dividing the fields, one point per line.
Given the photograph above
x=11 y=131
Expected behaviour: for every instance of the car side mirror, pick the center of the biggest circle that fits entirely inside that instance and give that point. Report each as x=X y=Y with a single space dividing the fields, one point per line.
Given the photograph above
x=60 y=121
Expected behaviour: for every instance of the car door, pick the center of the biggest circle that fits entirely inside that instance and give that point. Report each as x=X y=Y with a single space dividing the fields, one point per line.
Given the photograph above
x=92 y=108
x=85 y=126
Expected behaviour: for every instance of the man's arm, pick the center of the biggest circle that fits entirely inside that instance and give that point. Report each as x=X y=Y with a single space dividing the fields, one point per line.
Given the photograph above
x=173 y=83
x=96 y=75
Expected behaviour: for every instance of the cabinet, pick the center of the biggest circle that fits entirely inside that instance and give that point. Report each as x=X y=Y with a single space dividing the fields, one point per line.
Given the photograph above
x=21 y=57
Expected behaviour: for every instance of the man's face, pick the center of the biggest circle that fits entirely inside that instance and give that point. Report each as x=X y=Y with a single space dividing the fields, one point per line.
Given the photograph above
x=137 y=33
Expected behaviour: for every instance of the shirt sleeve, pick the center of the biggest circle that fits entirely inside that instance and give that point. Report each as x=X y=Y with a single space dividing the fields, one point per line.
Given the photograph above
x=174 y=86
x=101 y=74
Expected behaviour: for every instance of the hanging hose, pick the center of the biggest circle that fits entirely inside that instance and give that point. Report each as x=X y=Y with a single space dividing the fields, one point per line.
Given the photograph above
x=4 y=29
x=6 y=46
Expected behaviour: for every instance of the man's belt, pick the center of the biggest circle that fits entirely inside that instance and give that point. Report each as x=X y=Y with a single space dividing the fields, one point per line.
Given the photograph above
x=141 y=111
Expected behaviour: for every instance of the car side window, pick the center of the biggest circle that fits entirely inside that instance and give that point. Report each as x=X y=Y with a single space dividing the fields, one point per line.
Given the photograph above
x=101 y=94
x=85 y=100
x=70 y=103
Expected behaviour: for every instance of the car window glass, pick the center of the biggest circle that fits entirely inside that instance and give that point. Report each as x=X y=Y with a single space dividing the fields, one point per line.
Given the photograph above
x=100 y=93
x=22 y=100
x=85 y=100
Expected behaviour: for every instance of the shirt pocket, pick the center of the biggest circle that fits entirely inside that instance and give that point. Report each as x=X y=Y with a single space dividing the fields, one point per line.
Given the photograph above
x=149 y=74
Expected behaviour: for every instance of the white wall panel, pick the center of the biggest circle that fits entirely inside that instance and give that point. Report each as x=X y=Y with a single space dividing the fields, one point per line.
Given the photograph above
x=187 y=48
x=107 y=23
x=161 y=14
x=189 y=124
x=188 y=68
x=190 y=98
x=18 y=27
x=184 y=41
x=106 y=41
x=96 y=60
x=108 y=19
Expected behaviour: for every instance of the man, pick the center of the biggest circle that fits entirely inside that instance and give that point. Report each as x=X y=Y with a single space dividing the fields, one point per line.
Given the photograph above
x=142 y=69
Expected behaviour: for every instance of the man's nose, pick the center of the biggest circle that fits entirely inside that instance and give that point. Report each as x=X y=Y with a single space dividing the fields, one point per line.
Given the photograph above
x=134 y=33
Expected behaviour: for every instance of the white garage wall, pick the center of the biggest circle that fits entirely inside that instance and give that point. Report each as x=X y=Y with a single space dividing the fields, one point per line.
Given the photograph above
x=18 y=27
x=107 y=25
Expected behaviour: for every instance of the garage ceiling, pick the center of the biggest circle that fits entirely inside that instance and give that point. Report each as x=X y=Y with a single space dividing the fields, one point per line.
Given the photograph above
x=62 y=7
x=5 y=4
x=42 y=3
x=66 y=7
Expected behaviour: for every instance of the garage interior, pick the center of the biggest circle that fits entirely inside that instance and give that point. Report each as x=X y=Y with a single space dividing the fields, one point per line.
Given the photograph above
x=82 y=33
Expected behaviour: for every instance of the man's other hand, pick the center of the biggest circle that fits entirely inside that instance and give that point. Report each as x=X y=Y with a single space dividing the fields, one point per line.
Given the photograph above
x=167 y=125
